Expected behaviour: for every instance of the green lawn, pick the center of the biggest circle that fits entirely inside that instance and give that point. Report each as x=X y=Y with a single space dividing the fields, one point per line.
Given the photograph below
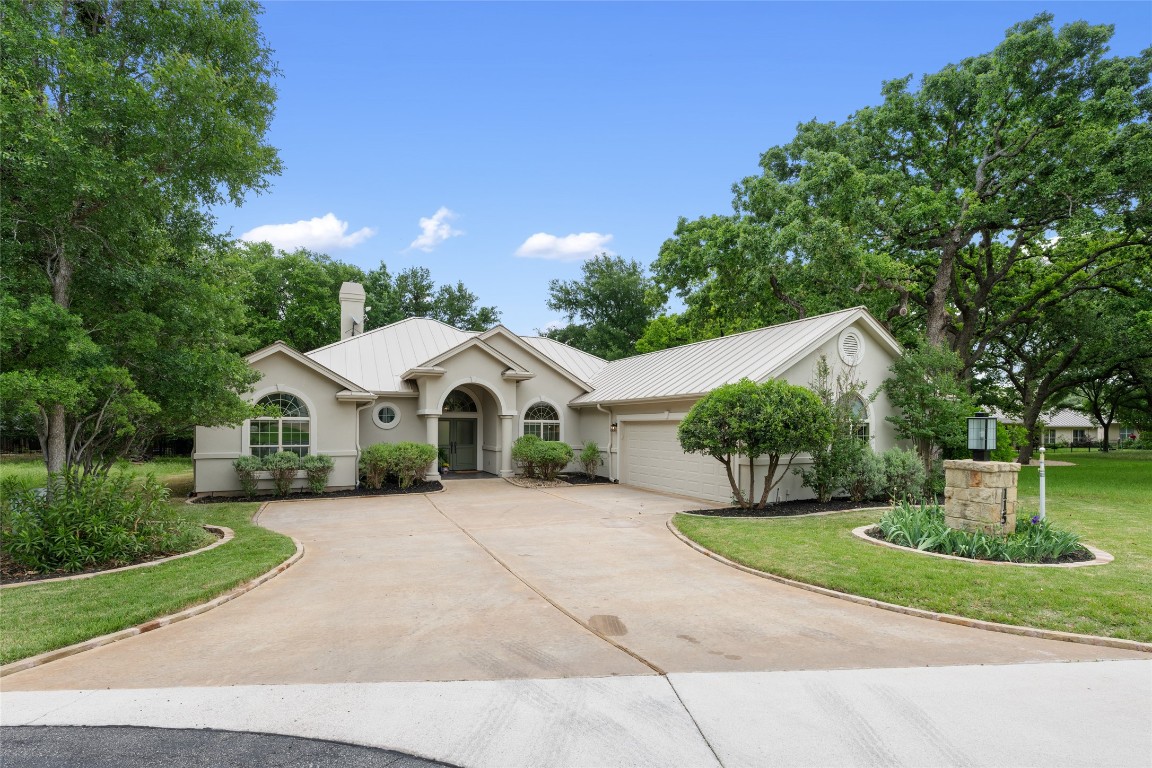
x=1106 y=498
x=43 y=617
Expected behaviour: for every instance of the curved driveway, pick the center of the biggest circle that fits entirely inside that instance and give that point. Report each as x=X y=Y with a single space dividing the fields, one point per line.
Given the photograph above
x=489 y=581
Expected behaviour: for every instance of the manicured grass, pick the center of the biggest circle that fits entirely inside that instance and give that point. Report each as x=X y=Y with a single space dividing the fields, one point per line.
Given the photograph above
x=176 y=473
x=1105 y=498
x=42 y=617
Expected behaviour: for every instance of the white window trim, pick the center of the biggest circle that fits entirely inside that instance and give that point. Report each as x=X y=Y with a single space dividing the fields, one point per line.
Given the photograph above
x=246 y=427
x=559 y=417
x=376 y=415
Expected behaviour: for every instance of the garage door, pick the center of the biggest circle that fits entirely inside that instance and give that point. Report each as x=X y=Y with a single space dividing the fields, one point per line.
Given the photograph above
x=653 y=459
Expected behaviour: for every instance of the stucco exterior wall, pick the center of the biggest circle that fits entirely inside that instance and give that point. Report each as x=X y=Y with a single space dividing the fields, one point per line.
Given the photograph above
x=332 y=429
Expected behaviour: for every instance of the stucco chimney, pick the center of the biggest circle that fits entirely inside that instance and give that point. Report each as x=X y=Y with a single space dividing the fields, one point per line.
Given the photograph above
x=351 y=309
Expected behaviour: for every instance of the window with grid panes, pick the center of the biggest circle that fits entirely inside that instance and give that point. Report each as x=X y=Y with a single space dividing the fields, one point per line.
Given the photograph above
x=543 y=421
x=289 y=431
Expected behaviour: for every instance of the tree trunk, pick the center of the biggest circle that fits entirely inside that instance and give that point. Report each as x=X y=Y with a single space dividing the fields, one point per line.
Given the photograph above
x=936 y=318
x=56 y=447
x=1107 y=425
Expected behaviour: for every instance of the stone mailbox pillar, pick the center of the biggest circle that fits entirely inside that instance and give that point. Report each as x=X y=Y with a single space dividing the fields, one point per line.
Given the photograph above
x=980 y=495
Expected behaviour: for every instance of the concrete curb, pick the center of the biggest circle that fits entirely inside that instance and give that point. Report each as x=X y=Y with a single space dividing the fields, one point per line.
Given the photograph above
x=1102 y=557
x=148 y=626
x=947 y=618
x=804 y=516
x=226 y=535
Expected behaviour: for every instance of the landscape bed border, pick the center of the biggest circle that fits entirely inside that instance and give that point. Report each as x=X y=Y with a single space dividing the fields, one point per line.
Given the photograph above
x=1100 y=557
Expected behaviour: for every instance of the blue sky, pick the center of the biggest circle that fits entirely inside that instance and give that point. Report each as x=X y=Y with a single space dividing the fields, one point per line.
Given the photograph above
x=498 y=143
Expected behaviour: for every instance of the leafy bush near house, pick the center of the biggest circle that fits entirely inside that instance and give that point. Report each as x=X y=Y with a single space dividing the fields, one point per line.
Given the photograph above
x=409 y=461
x=904 y=476
x=541 y=458
x=524 y=454
x=282 y=466
x=374 y=464
x=591 y=458
x=866 y=475
x=318 y=467
x=551 y=457
x=1034 y=541
x=100 y=520
x=246 y=468
x=406 y=462
x=1009 y=439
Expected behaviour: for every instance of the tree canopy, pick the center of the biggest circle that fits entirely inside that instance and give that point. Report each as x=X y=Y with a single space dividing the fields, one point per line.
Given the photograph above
x=608 y=309
x=122 y=123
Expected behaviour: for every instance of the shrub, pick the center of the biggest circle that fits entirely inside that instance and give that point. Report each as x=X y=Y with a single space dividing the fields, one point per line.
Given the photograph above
x=246 y=468
x=903 y=474
x=318 y=467
x=591 y=458
x=409 y=461
x=98 y=520
x=524 y=454
x=282 y=466
x=922 y=527
x=550 y=457
x=374 y=464
x=865 y=475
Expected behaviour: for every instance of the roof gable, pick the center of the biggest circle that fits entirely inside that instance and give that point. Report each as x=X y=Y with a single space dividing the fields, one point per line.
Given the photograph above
x=280 y=348
x=531 y=351
x=475 y=342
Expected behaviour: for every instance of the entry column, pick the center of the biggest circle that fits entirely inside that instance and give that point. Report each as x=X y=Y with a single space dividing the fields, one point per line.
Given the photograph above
x=433 y=436
x=507 y=422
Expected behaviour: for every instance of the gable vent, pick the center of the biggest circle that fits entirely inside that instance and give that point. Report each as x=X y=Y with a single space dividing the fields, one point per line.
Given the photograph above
x=851 y=347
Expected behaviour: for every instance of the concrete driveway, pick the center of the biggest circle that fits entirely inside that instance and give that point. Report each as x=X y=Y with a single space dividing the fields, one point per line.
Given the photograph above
x=488 y=581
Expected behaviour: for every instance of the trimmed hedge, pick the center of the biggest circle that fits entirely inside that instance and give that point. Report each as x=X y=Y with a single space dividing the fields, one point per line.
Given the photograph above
x=541 y=458
x=406 y=462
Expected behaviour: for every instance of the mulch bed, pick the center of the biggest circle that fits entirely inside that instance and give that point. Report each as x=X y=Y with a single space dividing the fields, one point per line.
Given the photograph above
x=388 y=490
x=788 y=508
x=579 y=478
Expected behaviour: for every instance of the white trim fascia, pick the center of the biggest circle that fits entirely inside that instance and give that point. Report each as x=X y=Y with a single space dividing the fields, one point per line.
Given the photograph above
x=423 y=372
x=355 y=397
x=511 y=375
x=291 y=353
x=406 y=393
x=665 y=416
x=500 y=330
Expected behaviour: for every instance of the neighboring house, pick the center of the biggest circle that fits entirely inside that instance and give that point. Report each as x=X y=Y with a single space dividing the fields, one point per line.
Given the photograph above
x=1068 y=427
x=472 y=394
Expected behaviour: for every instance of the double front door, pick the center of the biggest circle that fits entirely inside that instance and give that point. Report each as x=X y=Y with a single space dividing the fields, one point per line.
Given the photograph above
x=458 y=442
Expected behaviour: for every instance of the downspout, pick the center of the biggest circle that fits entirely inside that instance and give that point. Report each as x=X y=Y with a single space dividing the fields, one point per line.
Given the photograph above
x=358 y=448
x=609 y=412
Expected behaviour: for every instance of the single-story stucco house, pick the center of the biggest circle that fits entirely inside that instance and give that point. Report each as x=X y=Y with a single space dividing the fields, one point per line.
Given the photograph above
x=472 y=394
x=1065 y=426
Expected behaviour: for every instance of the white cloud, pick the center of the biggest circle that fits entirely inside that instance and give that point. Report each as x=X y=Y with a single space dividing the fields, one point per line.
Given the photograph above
x=568 y=248
x=320 y=234
x=435 y=230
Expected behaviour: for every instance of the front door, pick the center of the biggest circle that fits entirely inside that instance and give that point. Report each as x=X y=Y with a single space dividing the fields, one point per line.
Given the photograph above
x=458 y=442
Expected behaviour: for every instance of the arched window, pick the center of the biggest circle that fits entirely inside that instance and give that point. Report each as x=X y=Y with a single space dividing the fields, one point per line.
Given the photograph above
x=459 y=402
x=861 y=429
x=543 y=421
x=285 y=431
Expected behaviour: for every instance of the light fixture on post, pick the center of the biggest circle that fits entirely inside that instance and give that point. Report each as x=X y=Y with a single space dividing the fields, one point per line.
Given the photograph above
x=981 y=435
x=615 y=426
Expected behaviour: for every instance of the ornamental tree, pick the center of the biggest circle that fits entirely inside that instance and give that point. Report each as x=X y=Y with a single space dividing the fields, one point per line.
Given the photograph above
x=773 y=419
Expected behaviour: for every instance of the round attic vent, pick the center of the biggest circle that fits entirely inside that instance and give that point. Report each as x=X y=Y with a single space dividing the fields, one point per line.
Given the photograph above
x=851 y=346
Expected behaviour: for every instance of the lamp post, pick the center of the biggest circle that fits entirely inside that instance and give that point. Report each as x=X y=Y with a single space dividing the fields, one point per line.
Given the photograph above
x=1042 y=510
x=981 y=435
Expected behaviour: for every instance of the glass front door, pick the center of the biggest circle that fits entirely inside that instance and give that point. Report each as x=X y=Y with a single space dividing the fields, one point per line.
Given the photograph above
x=458 y=443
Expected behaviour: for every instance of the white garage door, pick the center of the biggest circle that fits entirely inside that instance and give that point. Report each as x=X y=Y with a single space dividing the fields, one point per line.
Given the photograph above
x=653 y=459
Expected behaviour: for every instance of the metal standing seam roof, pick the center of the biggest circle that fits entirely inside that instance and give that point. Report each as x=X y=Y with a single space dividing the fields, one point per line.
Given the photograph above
x=696 y=369
x=377 y=358
x=1064 y=417
x=576 y=361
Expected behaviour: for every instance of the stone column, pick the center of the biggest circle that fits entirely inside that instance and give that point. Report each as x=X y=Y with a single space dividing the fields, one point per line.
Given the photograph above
x=980 y=495
x=507 y=426
x=433 y=438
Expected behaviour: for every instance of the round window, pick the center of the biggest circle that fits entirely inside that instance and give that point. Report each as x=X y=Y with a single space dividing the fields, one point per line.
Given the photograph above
x=386 y=415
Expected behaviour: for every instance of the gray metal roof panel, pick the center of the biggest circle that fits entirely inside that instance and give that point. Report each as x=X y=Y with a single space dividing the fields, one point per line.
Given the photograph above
x=694 y=369
x=576 y=361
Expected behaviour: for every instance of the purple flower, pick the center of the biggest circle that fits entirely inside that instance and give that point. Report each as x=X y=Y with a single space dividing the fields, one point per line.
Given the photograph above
x=1035 y=519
